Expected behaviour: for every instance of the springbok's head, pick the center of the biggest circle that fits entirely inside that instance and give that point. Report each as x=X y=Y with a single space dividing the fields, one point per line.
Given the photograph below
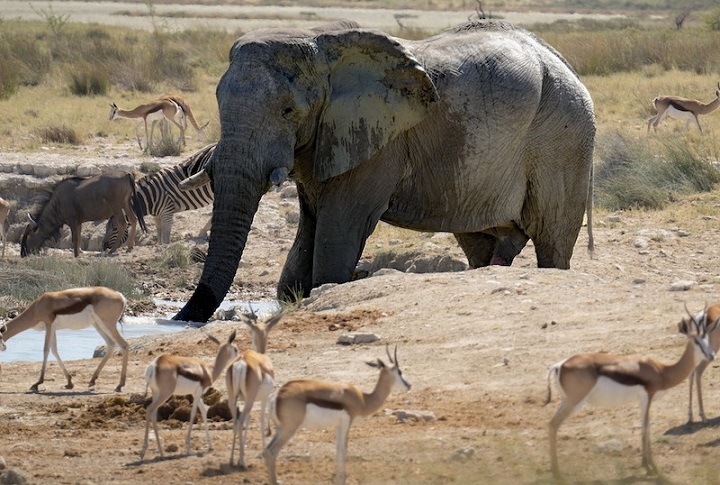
x=113 y=112
x=394 y=369
x=698 y=328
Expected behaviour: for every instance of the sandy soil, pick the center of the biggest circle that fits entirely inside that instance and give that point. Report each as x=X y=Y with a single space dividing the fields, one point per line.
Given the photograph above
x=476 y=346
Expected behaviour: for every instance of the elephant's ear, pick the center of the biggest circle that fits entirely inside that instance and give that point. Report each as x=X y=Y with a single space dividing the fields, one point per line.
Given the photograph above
x=377 y=90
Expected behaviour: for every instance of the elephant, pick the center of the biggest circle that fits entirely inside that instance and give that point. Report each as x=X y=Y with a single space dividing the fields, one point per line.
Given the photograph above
x=482 y=130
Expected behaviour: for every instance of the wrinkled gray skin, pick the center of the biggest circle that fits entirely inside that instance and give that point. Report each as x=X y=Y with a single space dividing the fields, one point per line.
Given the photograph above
x=483 y=131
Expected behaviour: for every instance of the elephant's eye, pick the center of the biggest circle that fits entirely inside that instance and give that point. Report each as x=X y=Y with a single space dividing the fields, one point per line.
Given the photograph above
x=287 y=112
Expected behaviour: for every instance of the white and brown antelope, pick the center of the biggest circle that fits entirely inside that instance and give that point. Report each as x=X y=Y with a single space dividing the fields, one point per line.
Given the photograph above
x=683 y=109
x=252 y=377
x=318 y=404
x=154 y=111
x=708 y=317
x=4 y=211
x=189 y=116
x=172 y=374
x=609 y=380
x=73 y=309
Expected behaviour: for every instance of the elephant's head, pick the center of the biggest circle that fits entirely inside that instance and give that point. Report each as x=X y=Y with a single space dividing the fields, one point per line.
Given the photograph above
x=313 y=104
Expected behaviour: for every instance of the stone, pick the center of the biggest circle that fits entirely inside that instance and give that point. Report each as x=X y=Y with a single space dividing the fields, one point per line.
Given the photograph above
x=357 y=338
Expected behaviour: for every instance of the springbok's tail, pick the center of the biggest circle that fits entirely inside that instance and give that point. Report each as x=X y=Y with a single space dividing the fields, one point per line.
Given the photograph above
x=553 y=371
x=149 y=376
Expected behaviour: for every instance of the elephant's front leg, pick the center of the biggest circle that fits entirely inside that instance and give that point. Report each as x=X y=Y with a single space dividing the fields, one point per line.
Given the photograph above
x=297 y=274
x=347 y=215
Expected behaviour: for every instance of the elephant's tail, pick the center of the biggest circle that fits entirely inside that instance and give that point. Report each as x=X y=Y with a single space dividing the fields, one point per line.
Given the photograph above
x=589 y=208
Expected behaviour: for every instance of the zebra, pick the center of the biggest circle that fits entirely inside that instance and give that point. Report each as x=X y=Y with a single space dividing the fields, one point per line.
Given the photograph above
x=159 y=195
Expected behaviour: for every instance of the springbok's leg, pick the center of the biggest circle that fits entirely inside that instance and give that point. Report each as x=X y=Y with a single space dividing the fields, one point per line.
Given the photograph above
x=647 y=460
x=151 y=415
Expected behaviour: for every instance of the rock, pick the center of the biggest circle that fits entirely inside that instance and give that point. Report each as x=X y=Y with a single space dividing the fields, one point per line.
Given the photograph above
x=682 y=285
x=405 y=415
x=463 y=454
x=87 y=170
x=44 y=170
x=385 y=271
x=611 y=446
x=640 y=243
x=289 y=192
x=357 y=338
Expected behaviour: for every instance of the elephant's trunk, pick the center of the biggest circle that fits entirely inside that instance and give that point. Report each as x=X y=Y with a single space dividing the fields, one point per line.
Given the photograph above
x=235 y=204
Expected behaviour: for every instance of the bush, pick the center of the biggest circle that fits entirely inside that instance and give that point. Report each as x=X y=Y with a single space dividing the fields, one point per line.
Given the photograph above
x=86 y=80
x=175 y=256
x=23 y=281
x=166 y=147
x=58 y=134
x=9 y=76
x=631 y=177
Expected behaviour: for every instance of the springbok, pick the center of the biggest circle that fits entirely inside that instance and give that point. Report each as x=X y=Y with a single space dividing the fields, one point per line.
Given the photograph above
x=708 y=317
x=75 y=200
x=611 y=380
x=683 y=109
x=188 y=115
x=171 y=375
x=74 y=309
x=155 y=110
x=251 y=376
x=318 y=404
x=4 y=211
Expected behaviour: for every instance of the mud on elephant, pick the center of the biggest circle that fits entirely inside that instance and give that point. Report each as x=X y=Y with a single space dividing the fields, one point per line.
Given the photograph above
x=483 y=131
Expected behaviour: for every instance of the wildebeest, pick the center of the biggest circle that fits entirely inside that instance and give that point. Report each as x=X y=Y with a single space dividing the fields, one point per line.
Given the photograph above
x=75 y=200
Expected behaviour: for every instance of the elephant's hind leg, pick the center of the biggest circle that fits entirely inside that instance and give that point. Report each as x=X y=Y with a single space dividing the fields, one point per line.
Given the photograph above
x=499 y=245
x=478 y=247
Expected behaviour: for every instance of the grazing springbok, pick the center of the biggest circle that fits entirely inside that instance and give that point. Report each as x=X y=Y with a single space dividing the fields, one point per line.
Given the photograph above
x=683 y=109
x=155 y=110
x=188 y=115
x=75 y=200
x=171 y=375
x=73 y=309
x=251 y=376
x=317 y=404
x=708 y=317
x=4 y=211
x=611 y=380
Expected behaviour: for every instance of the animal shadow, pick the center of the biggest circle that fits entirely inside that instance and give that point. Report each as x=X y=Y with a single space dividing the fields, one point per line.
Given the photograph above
x=689 y=428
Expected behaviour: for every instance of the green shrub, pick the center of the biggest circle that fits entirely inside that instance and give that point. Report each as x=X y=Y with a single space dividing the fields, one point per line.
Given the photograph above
x=631 y=177
x=175 y=256
x=86 y=80
x=9 y=76
x=58 y=134
x=25 y=280
x=165 y=146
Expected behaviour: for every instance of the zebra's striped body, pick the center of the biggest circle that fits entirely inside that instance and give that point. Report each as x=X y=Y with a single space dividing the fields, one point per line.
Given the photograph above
x=159 y=195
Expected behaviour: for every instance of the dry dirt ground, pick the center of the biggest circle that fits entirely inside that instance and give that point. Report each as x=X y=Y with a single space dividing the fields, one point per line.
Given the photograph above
x=476 y=346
